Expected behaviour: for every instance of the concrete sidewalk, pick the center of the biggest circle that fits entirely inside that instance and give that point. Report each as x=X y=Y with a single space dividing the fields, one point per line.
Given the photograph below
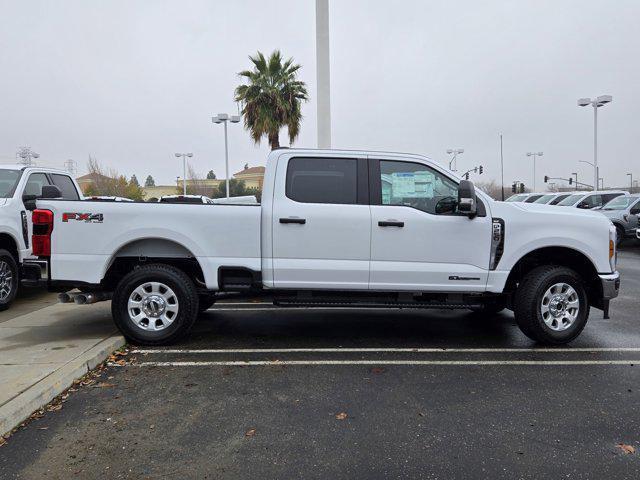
x=42 y=352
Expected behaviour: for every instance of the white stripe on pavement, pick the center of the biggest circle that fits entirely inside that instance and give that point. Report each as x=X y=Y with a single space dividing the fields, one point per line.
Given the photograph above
x=391 y=350
x=384 y=362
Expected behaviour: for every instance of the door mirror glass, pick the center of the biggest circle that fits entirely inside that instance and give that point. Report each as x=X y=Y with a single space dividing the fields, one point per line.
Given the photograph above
x=50 y=191
x=467 y=198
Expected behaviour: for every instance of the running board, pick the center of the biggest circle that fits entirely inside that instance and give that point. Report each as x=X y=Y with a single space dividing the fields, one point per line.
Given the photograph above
x=355 y=304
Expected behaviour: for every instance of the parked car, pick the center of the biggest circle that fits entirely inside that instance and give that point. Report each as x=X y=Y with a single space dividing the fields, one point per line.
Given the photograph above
x=185 y=199
x=19 y=186
x=590 y=200
x=551 y=198
x=524 y=197
x=623 y=212
x=338 y=229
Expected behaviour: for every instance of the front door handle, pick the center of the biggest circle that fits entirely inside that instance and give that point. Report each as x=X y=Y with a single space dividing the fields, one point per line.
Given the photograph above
x=301 y=221
x=390 y=223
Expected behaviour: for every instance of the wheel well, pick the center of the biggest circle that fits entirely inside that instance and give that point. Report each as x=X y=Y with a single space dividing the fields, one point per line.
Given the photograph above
x=561 y=256
x=152 y=250
x=8 y=243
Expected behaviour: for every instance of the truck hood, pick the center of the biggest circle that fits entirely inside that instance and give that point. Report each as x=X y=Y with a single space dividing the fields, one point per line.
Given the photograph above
x=613 y=213
x=555 y=209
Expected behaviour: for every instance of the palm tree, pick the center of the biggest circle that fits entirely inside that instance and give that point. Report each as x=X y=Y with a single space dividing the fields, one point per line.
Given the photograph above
x=272 y=97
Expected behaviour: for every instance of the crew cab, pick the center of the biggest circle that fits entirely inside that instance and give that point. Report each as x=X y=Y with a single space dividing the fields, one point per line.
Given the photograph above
x=337 y=229
x=20 y=185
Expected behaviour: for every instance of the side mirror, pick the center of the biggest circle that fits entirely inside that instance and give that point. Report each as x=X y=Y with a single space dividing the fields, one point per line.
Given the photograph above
x=50 y=191
x=583 y=205
x=467 y=198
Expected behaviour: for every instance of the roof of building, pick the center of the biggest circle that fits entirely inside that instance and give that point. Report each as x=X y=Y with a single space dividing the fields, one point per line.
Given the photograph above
x=93 y=176
x=251 y=171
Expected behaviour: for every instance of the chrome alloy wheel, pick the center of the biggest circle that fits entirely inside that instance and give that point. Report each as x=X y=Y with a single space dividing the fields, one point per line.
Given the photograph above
x=152 y=306
x=560 y=306
x=6 y=280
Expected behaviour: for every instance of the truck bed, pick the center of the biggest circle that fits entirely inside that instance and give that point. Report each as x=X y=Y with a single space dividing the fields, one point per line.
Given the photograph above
x=86 y=234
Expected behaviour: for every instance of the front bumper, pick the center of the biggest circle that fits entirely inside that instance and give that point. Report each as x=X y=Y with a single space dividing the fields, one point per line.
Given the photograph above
x=34 y=273
x=610 y=285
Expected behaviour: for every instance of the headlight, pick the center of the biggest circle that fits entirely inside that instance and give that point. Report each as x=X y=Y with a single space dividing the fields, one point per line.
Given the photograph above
x=613 y=254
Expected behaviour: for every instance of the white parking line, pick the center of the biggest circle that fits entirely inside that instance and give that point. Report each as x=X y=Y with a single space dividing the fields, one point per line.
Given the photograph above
x=391 y=350
x=385 y=362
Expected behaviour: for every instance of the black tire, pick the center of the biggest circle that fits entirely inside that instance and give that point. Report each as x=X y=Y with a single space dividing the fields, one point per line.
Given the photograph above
x=619 y=235
x=206 y=302
x=10 y=274
x=187 y=304
x=529 y=297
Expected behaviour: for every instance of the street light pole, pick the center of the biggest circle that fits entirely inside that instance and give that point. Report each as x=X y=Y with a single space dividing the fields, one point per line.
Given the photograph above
x=534 y=155
x=630 y=182
x=184 y=170
x=595 y=103
x=454 y=161
x=224 y=118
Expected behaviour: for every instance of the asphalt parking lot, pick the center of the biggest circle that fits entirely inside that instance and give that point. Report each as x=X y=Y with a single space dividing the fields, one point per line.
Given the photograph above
x=260 y=392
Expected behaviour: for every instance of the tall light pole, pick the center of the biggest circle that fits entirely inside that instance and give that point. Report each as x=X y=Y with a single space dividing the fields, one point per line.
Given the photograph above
x=595 y=103
x=323 y=77
x=224 y=118
x=455 y=152
x=534 y=155
x=184 y=170
x=630 y=182
x=576 y=174
x=595 y=185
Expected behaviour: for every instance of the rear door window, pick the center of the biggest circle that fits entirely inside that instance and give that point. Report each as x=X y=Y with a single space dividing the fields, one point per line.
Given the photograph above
x=66 y=186
x=323 y=180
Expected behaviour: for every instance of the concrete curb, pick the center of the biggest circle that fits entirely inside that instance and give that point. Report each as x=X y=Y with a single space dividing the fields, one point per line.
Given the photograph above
x=38 y=395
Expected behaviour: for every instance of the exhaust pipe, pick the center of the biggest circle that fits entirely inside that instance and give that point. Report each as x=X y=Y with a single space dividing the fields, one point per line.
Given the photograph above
x=65 y=297
x=89 y=298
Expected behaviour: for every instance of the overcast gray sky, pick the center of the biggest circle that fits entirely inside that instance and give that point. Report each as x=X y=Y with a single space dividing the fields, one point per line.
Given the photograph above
x=132 y=82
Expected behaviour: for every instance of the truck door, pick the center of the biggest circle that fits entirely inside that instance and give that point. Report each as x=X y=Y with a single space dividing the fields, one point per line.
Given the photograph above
x=321 y=223
x=418 y=241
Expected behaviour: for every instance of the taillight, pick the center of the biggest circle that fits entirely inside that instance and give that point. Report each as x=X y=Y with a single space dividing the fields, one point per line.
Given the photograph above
x=42 y=228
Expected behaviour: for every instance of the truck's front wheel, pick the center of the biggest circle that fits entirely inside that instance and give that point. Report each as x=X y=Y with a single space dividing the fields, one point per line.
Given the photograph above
x=551 y=305
x=8 y=279
x=155 y=305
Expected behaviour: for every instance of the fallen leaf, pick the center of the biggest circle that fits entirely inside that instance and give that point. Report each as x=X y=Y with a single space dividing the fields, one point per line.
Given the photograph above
x=54 y=408
x=250 y=433
x=341 y=416
x=43 y=428
x=2 y=441
x=627 y=449
x=104 y=385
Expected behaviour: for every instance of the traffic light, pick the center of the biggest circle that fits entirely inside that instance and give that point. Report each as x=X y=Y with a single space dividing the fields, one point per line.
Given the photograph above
x=521 y=187
x=480 y=171
x=570 y=180
x=546 y=179
x=513 y=187
x=466 y=176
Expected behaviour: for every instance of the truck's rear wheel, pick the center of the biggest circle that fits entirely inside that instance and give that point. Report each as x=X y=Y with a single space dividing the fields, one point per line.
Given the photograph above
x=551 y=305
x=8 y=279
x=155 y=305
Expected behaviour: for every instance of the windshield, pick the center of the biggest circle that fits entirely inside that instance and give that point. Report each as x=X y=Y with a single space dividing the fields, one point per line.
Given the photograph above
x=517 y=198
x=619 y=203
x=544 y=199
x=8 y=181
x=570 y=200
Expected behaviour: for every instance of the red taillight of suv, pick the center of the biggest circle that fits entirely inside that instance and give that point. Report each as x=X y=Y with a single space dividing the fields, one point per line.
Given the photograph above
x=42 y=228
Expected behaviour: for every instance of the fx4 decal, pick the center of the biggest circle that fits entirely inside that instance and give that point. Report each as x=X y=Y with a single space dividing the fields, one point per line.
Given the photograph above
x=83 y=217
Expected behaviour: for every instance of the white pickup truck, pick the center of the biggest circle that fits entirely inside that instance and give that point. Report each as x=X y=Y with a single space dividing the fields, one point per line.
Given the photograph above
x=335 y=228
x=19 y=186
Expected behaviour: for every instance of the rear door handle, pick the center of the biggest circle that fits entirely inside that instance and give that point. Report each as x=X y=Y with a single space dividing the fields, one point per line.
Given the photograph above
x=301 y=221
x=390 y=223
